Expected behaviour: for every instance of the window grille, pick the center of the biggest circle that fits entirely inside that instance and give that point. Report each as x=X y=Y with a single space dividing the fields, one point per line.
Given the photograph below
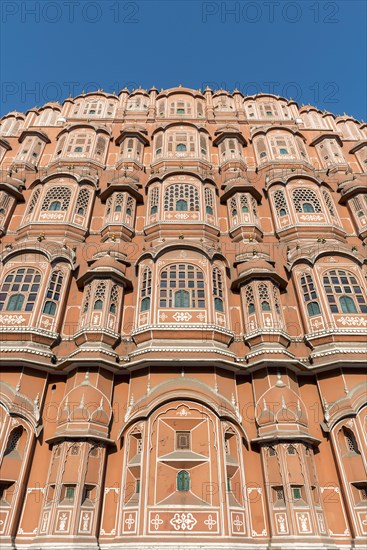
x=53 y=292
x=4 y=202
x=343 y=292
x=20 y=289
x=250 y=299
x=181 y=196
x=350 y=441
x=13 y=440
x=254 y=206
x=154 y=200
x=280 y=203
x=310 y=295
x=277 y=303
x=86 y=300
x=146 y=289
x=183 y=440
x=233 y=206
x=304 y=197
x=244 y=203
x=182 y=285
x=129 y=206
x=291 y=450
x=329 y=202
x=99 y=294
x=209 y=201
x=60 y=194
x=218 y=290
x=101 y=147
x=82 y=202
x=261 y=148
x=114 y=297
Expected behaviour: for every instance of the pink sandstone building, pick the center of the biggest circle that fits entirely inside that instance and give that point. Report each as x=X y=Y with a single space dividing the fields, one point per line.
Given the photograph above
x=183 y=319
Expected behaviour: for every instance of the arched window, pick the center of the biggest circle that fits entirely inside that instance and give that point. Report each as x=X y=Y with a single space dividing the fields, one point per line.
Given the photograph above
x=87 y=295
x=15 y=302
x=218 y=305
x=154 y=200
x=34 y=200
x=129 y=206
x=340 y=286
x=146 y=289
x=280 y=203
x=182 y=298
x=181 y=147
x=49 y=308
x=181 y=205
x=329 y=202
x=264 y=297
x=55 y=206
x=350 y=441
x=82 y=202
x=114 y=296
x=233 y=207
x=13 y=440
x=313 y=308
x=310 y=295
x=145 y=304
x=178 y=194
x=158 y=144
x=98 y=305
x=182 y=285
x=305 y=200
x=183 y=481
x=94 y=296
x=250 y=299
x=203 y=145
x=57 y=198
x=53 y=292
x=347 y=304
x=20 y=289
x=244 y=203
x=209 y=201
x=218 y=290
x=101 y=146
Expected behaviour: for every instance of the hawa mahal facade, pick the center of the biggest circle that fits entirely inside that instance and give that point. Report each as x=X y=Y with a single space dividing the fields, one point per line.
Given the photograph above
x=183 y=319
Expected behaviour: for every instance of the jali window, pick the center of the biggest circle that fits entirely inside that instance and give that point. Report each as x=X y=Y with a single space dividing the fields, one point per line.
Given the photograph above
x=305 y=200
x=57 y=199
x=181 y=197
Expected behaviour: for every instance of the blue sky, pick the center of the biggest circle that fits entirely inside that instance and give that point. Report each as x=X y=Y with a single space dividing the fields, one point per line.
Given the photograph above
x=312 y=51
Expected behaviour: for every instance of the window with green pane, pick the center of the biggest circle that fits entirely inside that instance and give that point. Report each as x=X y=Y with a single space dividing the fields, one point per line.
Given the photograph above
x=20 y=289
x=344 y=292
x=182 y=285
